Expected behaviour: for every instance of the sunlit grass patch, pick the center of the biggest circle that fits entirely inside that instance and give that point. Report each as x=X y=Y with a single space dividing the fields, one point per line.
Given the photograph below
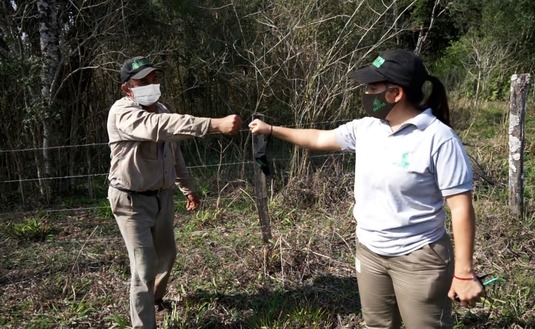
x=30 y=229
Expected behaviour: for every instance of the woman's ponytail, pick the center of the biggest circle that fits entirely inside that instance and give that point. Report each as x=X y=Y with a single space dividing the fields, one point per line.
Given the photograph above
x=438 y=101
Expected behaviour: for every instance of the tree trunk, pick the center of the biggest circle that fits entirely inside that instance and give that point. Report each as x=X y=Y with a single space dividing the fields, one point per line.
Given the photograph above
x=424 y=31
x=49 y=41
x=517 y=121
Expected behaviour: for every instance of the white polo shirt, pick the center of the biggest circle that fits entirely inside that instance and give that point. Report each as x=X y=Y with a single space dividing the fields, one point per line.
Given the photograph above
x=401 y=179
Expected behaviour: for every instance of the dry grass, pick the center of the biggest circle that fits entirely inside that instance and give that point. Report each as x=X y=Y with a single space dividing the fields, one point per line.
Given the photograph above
x=71 y=271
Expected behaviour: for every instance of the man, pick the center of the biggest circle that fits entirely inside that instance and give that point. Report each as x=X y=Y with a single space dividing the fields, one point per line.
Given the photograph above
x=146 y=163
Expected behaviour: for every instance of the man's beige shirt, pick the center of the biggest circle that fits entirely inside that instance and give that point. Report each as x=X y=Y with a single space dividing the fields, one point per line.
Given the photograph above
x=145 y=150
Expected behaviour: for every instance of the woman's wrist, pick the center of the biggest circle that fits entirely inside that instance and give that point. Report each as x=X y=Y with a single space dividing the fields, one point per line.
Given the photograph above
x=471 y=277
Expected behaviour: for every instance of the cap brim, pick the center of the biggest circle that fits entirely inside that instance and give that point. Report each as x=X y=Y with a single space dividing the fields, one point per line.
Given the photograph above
x=367 y=75
x=143 y=73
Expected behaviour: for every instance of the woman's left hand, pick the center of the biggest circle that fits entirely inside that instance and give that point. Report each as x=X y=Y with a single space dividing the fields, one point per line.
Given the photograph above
x=468 y=292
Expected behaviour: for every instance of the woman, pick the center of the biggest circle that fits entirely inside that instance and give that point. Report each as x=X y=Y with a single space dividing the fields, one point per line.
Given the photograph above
x=408 y=161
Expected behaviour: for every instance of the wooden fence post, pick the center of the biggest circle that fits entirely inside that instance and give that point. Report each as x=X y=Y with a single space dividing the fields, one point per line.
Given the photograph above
x=259 y=149
x=517 y=118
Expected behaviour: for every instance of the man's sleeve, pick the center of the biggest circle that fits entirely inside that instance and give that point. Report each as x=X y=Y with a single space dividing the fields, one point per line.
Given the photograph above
x=139 y=125
x=183 y=180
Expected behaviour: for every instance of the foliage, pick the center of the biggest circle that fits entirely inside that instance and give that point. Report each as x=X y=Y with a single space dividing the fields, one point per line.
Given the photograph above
x=225 y=277
x=477 y=68
x=288 y=60
x=31 y=229
x=497 y=41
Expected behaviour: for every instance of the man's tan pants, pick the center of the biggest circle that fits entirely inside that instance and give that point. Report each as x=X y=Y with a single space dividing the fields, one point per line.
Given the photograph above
x=413 y=288
x=146 y=224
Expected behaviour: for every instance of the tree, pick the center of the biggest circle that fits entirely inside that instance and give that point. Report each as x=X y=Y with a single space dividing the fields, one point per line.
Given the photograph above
x=49 y=37
x=51 y=51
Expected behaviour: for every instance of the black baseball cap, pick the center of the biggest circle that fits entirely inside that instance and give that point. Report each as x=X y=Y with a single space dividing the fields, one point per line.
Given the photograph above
x=398 y=66
x=136 y=68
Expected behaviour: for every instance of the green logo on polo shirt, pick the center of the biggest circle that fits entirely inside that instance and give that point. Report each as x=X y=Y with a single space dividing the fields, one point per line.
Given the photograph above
x=404 y=161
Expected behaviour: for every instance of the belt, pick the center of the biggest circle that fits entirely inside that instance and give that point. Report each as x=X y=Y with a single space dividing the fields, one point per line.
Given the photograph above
x=145 y=193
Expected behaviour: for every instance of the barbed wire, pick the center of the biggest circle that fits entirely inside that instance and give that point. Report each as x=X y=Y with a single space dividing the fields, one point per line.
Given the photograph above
x=207 y=200
x=310 y=125
x=105 y=174
x=6 y=215
x=188 y=167
x=52 y=147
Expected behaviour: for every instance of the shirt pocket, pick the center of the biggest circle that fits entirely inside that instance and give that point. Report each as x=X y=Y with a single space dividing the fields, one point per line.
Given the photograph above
x=148 y=150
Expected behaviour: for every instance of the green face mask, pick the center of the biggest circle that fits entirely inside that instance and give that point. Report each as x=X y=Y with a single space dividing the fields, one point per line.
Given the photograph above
x=376 y=105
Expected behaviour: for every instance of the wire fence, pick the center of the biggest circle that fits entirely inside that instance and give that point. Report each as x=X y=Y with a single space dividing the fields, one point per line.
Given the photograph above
x=236 y=167
x=15 y=208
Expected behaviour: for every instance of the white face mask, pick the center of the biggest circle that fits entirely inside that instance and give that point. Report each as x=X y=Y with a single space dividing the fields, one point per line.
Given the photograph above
x=146 y=95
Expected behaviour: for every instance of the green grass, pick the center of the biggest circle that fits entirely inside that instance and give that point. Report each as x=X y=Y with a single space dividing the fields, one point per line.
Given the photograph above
x=30 y=229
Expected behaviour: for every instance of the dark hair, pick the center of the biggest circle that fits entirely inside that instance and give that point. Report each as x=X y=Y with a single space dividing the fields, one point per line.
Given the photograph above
x=437 y=100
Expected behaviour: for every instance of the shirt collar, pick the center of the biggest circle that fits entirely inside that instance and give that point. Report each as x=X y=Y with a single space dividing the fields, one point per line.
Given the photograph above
x=421 y=121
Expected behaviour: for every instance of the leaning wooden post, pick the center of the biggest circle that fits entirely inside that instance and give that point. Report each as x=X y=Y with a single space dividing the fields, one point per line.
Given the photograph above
x=517 y=117
x=259 y=152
